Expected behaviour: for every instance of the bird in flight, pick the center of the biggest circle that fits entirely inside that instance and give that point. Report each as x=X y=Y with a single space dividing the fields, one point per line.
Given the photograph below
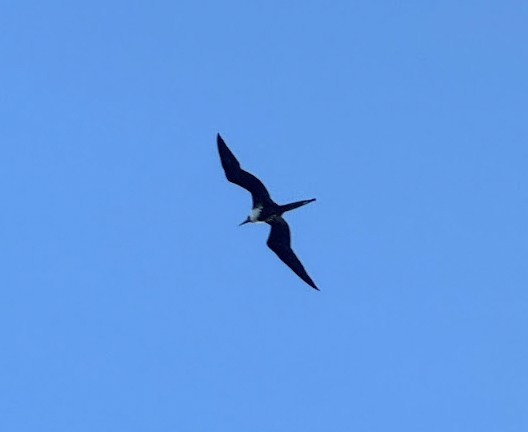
x=265 y=210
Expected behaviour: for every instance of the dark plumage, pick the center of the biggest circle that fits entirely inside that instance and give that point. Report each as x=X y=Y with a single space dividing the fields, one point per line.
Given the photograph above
x=265 y=210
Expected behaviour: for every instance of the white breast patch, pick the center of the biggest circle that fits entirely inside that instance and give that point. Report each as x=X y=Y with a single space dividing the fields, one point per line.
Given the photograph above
x=255 y=213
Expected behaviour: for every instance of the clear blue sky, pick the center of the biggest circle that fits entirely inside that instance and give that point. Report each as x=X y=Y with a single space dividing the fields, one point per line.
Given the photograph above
x=131 y=301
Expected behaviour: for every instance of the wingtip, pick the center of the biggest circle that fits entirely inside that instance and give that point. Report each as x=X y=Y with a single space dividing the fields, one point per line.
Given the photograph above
x=220 y=141
x=310 y=282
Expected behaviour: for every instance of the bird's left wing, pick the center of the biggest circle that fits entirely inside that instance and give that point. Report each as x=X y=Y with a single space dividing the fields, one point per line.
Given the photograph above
x=237 y=175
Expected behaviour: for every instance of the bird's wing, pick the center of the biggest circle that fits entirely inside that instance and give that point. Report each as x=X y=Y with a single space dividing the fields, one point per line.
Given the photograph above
x=237 y=175
x=279 y=242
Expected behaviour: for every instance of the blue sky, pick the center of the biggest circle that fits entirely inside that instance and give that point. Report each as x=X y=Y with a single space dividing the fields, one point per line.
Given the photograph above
x=131 y=301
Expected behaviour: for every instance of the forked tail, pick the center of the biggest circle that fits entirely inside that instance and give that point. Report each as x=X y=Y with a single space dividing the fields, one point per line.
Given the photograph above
x=287 y=207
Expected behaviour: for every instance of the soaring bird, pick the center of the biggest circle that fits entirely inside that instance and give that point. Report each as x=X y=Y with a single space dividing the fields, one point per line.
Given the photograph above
x=265 y=210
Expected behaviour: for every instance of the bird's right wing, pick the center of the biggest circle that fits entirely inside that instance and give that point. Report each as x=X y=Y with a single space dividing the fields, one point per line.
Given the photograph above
x=279 y=242
x=238 y=176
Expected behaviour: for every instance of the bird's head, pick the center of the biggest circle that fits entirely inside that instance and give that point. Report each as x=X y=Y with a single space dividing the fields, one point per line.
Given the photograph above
x=248 y=219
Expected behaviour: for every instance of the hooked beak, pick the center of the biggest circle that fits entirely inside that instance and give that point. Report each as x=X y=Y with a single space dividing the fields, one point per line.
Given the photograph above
x=245 y=222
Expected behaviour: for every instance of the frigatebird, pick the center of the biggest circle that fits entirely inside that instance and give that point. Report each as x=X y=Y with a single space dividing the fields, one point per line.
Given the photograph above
x=265 y=210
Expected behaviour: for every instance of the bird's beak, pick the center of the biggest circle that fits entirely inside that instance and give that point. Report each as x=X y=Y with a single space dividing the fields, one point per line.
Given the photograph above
x=245 y=222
